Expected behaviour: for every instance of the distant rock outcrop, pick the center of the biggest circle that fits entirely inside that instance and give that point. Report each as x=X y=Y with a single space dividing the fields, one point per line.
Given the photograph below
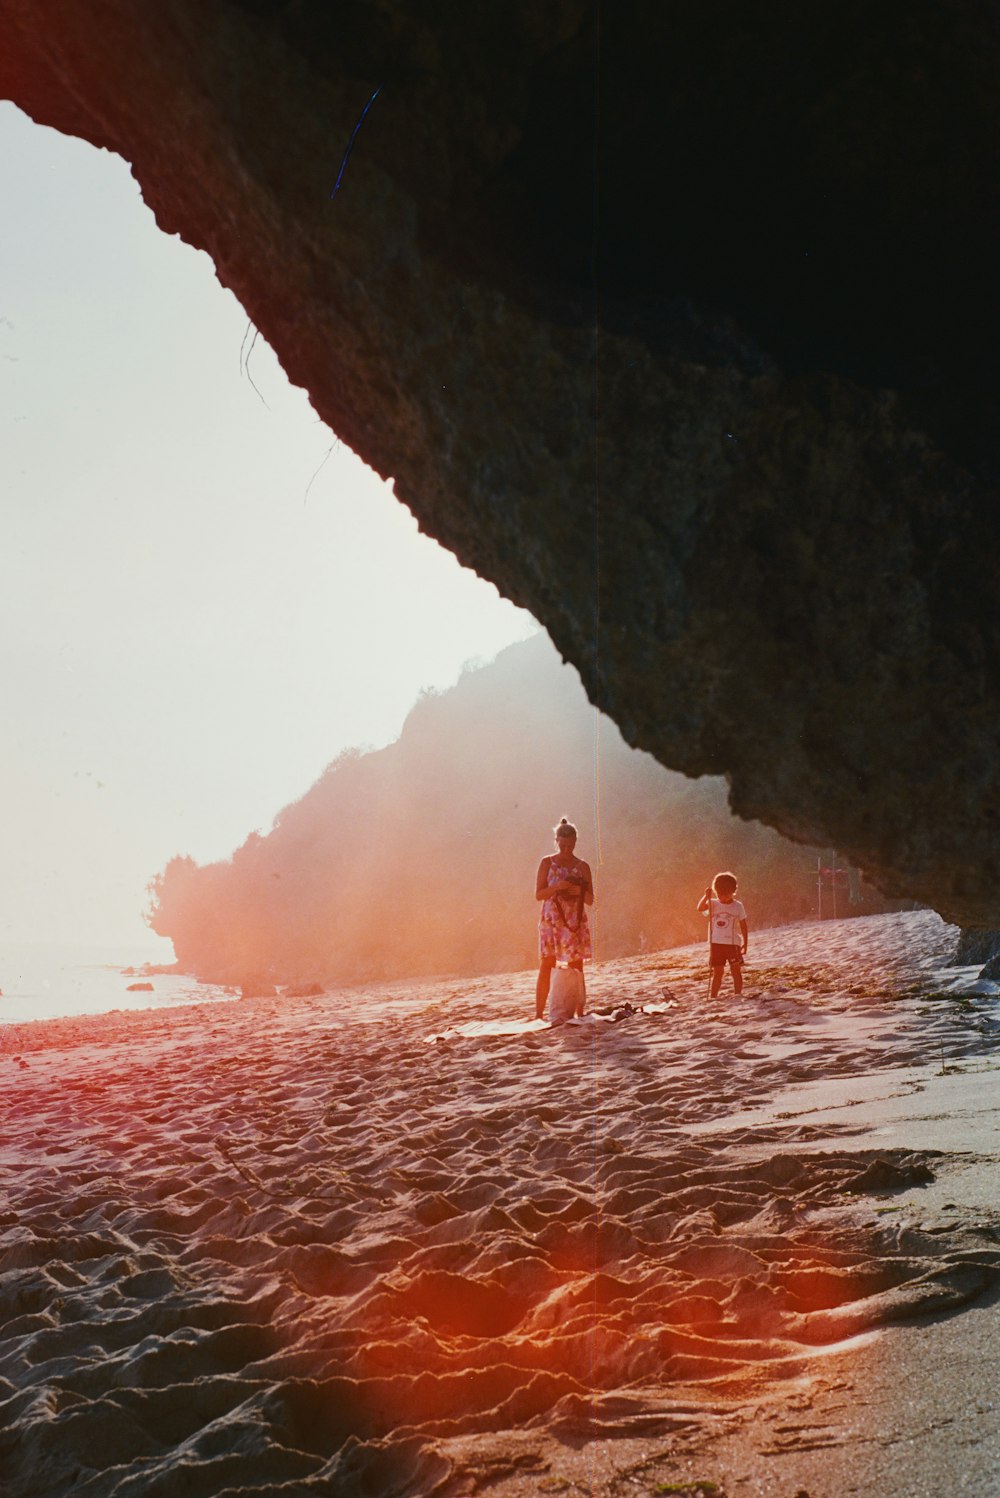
x=257 y=988
x=420 y=858
x=677 y=321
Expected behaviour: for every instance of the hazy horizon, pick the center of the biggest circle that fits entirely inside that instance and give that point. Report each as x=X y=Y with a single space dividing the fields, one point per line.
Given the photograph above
x=197 y=621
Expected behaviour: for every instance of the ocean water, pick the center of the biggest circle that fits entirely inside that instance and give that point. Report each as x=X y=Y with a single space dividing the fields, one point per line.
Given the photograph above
x=41 y=982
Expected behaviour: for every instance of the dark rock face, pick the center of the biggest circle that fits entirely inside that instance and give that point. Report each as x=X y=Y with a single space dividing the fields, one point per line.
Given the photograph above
x=678 y=323
x=978 y=946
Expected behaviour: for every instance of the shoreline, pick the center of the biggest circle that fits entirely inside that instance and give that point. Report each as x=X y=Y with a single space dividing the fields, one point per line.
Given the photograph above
x=286 y=991
x=333 y=1242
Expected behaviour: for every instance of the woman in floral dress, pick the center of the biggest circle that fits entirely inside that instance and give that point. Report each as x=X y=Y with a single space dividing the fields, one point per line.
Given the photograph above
x=565 y=886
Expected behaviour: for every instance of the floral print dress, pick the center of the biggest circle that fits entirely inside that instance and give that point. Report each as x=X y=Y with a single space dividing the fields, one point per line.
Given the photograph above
x=563 y=928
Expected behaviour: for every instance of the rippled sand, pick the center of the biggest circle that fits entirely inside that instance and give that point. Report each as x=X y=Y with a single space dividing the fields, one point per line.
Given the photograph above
x=406 y=1241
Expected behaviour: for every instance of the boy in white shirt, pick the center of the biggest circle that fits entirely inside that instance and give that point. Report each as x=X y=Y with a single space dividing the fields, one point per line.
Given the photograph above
x=727 y=931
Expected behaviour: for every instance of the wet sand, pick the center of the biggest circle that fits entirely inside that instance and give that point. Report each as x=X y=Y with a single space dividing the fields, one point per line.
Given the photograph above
x=405 y=1240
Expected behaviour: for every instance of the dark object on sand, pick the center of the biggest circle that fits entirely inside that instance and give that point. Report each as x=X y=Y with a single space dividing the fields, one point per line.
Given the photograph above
x=882 y=1175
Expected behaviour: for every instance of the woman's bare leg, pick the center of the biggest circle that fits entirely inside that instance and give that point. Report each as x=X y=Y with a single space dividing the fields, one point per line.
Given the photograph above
x=578 y=967
x=542 y=986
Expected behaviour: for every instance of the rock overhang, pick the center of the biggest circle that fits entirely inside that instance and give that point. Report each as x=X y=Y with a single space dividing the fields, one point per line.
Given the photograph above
x=678 y=324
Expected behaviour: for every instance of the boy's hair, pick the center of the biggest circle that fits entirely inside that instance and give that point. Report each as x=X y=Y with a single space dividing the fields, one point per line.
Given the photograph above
x=725 y=884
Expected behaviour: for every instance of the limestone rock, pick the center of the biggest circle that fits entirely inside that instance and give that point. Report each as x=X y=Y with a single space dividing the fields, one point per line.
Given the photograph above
x=977 y=946
x=991 y=969
x=257 y=988
x=678 y=322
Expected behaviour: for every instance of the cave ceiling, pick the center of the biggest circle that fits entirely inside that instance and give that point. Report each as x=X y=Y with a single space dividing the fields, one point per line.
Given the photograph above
x=677 y=320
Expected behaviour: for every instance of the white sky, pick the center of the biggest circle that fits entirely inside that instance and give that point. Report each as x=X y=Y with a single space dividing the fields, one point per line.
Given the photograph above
x=186 y=640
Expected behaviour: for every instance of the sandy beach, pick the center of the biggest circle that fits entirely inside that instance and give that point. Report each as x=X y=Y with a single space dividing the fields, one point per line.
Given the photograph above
x=407 y=1241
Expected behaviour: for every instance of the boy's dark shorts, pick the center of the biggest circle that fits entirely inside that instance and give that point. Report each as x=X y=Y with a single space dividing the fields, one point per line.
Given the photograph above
x=719 y=953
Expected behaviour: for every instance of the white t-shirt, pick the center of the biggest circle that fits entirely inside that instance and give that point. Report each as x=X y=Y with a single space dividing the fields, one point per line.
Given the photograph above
x=723 y=925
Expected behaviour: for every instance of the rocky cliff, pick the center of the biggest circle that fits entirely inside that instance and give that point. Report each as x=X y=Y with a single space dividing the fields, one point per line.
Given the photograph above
x=676 y=320
x=421 y=857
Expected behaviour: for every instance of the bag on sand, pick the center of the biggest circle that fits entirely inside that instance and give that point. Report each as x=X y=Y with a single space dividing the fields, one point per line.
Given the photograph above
x=567 y=994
